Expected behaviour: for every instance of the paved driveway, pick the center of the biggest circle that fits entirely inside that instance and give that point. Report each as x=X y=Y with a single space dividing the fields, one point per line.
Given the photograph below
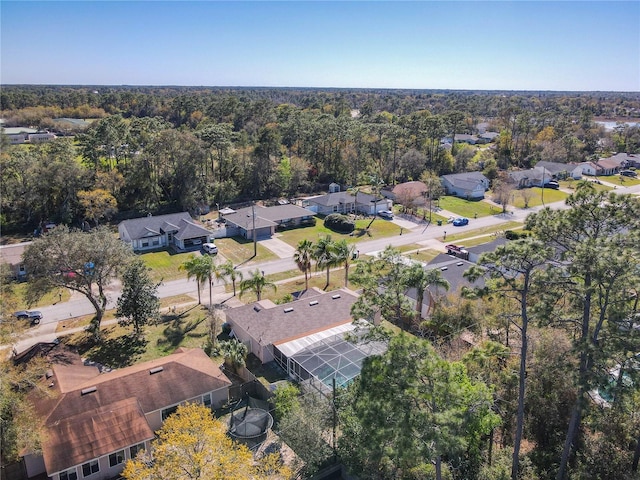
x=277 y=246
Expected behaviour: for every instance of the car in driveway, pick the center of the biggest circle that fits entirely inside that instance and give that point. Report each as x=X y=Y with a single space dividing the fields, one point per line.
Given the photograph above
x=460 y=222
x=386 y=214
x=628 y=173
x=210 y=248
x=33 y=316
x=552 y=184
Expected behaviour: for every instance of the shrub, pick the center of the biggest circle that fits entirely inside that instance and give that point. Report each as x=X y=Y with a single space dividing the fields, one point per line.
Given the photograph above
x=511 y=235
x=339 y=223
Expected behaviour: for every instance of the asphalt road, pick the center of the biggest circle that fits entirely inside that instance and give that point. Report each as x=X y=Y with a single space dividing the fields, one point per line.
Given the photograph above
x=427 y=236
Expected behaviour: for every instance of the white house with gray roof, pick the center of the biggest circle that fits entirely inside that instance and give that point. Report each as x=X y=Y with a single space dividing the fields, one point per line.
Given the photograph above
x=177 y=230
x=465 y=185
x=344 y=202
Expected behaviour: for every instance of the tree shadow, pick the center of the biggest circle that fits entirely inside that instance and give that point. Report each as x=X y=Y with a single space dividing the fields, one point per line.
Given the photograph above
x=119 y=352
x=177 y=330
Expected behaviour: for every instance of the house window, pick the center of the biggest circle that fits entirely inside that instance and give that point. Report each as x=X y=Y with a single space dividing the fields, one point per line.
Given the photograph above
x=69 y=475
x=168 y=411
x=156 y=242
x=133 y=451
x=206 y=400
x=145 y=244
x=116 y=458
x=90 y=468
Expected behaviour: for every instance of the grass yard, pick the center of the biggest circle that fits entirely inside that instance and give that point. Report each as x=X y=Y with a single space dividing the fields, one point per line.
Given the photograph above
x=51 y=298
x=572 y=184
x=165 y=265
x=550 y=196
x=481 y=232
x=467 y=208
x=188 y=327
x=621 y=180
x=379 y=229
x=240 y=251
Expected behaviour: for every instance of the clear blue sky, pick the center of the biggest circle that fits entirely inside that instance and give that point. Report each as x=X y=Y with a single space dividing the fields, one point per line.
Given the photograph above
x=564 y=45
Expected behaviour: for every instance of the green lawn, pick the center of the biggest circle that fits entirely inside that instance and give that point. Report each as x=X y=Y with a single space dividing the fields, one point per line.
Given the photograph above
x=467 y=208
x=454 y=237
x=550 y=196
x=240 y=250
x=379 y=229
x=51 y=298
x=165 y=265
x=621 y=180
x=572 y=184
x=188 y=327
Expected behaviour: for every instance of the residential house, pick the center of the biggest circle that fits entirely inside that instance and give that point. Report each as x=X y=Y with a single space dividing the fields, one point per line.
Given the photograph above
x=468 y=185
x=590 y=168
x=263 y=221
x=560 y=171
x=534 y=177
x=462 y=138
x=628 y=160
x=94 y=422
x=177 y=230
x=610 y=165
x=304 y=337
x=408 y=193
x=338 y=202
x=487 y=137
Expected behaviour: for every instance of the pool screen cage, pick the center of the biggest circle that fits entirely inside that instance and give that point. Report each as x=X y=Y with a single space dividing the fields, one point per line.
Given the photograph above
x=250 y=419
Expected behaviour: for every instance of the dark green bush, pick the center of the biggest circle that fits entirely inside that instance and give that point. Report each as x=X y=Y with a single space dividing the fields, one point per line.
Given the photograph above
x=339 y=223
x=511 y=235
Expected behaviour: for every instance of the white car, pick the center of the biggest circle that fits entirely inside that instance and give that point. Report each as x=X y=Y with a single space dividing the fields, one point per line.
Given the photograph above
x=387 y=214
x=210 y=248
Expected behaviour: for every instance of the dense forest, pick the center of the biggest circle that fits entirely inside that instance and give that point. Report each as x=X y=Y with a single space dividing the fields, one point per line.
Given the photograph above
x=153 y=149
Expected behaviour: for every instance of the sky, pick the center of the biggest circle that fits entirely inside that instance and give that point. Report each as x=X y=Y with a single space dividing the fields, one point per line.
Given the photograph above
x=479 y=45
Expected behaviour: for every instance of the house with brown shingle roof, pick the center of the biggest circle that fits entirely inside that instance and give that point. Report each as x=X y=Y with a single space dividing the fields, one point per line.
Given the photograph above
x=93 y=422
x=261 y=325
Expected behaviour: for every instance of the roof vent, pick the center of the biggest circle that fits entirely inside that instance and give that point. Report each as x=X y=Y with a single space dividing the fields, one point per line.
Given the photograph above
x=460 y=264
x=444 y=268
x=288 y=309
x=313 y=302
x=156 y=370
x=48 y=374
x=86 y=391
x=337 y=295
x=256 y=308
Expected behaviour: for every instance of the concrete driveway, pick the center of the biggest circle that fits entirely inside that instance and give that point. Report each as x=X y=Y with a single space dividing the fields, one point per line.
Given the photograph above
x=277 y=246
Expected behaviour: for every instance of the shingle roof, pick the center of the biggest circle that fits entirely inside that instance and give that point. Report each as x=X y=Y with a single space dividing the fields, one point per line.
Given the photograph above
x=94 y=414
x=331 y=199
x=270 y=324
x=94 y=433
x=468 y=180
x=555 y=167
x=266 y=216
x=154 y=225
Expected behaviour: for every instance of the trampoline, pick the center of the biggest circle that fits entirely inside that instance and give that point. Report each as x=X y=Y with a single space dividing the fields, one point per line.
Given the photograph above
x=251 y=422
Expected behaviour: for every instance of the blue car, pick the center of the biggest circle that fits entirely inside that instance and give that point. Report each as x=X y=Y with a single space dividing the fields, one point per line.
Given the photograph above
x=459 y=222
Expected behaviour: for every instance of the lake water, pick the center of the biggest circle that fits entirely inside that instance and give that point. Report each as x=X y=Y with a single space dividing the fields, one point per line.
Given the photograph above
x=609 y=126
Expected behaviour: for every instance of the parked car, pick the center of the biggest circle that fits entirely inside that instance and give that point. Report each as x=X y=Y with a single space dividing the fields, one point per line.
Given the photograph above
x=552 y=184
x=628 y=173
x=387 y=214
x=33 y=316
x=460 y=222
x=210 y=248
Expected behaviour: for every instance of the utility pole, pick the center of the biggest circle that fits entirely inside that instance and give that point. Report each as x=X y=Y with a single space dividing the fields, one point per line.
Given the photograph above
x=255 y=235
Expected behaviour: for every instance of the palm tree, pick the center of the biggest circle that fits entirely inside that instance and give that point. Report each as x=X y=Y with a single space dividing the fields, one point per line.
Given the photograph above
x=203 y=269
x=420 y=278
x=228 y=271
x=234 y=353
x=344 y=254
x=257 y=283
x=195 y=269
x=302 y=257
x=324 y=255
